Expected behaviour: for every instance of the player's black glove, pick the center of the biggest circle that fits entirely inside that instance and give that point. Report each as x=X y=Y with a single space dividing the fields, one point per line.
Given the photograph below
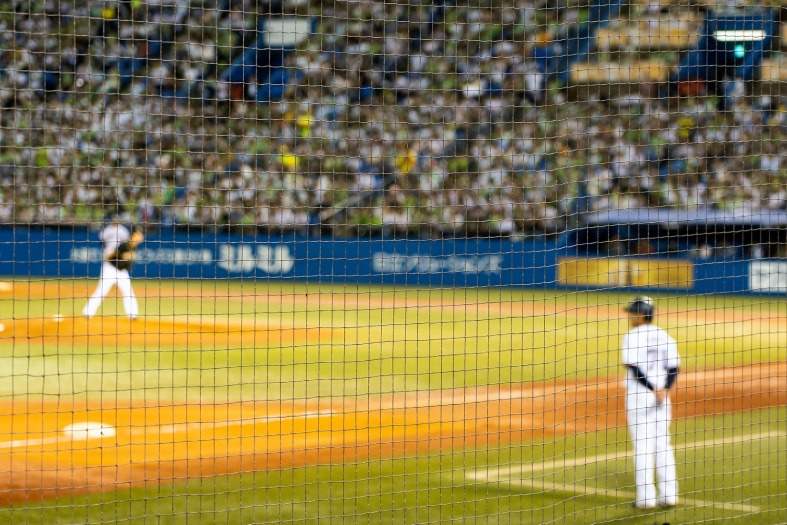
x=122 y=257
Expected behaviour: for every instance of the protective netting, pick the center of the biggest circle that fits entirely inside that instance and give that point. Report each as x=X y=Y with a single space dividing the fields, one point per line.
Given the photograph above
x=325 y=221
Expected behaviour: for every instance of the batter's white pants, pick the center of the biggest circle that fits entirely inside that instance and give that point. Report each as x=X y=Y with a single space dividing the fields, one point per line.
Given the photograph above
x=649 y=429
x=110 y=277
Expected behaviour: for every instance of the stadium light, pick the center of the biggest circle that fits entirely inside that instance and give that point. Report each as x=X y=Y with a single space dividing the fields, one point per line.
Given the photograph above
x=739 y=35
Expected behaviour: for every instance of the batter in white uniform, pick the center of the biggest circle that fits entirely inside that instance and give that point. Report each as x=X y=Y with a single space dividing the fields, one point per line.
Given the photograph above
x=651 y=359
x=119 y=246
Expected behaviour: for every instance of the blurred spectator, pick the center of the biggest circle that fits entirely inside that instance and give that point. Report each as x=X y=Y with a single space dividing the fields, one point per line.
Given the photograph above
x=420 y=124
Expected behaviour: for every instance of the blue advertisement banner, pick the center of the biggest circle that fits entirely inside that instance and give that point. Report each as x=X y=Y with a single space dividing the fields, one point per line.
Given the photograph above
x=66 y=252
x=77 y=252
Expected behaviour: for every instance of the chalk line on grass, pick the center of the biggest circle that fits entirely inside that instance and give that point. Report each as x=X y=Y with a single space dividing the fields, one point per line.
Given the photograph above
x=585 y=490
x=503 y=476
x=504 y=472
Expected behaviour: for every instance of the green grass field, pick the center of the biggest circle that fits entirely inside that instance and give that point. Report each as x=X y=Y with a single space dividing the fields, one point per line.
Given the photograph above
x=391 y=340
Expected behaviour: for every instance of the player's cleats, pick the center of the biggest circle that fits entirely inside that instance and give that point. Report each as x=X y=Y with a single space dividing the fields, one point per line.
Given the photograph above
x=668 y=502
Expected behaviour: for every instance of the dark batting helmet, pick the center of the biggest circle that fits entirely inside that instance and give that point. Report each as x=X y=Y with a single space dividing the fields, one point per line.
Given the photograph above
x=642 y=305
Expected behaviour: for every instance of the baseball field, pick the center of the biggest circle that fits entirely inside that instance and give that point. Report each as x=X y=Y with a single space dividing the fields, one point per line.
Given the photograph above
x=250 y=402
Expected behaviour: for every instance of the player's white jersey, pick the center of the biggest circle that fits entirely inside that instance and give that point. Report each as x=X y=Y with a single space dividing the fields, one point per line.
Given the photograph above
x=653 y=351
x=113 y=236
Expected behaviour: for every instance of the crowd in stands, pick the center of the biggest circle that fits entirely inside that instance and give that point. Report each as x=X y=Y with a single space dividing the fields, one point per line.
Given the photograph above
x=398 y=120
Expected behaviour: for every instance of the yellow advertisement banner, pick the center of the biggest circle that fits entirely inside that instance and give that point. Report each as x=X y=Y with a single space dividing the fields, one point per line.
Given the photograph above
x=619 y=272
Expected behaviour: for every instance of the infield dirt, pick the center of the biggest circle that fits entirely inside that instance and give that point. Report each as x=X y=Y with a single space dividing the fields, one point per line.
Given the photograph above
x=148 y=444
x=163 y=443
x=157 y=332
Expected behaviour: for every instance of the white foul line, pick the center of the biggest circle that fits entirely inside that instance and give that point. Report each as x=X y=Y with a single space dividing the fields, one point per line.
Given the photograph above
x=501 y=476
x=585 y=490
x=209 y=425
x=36 y=442
x=168 y=429
x=504 y=472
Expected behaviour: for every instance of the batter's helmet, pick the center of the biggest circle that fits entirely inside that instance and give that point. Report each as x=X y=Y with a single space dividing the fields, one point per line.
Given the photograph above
x=642 y=305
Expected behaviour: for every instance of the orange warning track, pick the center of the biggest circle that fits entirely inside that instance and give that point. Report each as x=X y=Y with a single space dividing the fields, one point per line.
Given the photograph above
x=150 y=444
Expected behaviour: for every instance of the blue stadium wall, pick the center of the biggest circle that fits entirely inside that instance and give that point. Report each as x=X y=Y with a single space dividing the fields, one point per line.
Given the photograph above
x=76 y=252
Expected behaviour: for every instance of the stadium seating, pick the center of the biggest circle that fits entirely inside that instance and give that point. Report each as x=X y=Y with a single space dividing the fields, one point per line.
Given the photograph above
x=368 y=126
x=774 y=70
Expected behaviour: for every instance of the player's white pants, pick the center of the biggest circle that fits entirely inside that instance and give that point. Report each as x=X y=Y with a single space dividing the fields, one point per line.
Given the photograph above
x=649 y=428
x=110 y=277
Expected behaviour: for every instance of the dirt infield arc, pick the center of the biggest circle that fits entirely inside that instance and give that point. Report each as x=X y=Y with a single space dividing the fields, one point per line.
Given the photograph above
x=56 y=448
x=158 y=332
x=380 y=299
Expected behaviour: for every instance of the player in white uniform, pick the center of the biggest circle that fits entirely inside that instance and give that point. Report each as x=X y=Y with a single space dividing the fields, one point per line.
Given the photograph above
x=651 y=359
x=114 y=272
